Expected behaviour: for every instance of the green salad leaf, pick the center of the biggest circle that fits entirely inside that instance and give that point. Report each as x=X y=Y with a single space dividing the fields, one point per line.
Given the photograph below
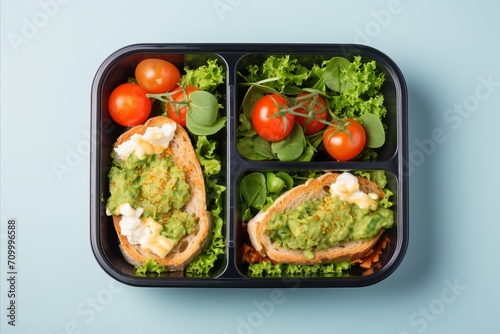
x=253 y=189
x=278 y=72
x=150 y=267
x=267 y=269
x=202 y=266
x=362 y=93
x=333 y=75
x=206 y=77
x=274 y=183
x=375 y=133
x=290 y=147
x=201 y=119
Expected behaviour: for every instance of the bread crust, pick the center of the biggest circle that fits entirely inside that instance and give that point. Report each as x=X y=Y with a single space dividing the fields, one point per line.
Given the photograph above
x=311 y=190
x=190 y=246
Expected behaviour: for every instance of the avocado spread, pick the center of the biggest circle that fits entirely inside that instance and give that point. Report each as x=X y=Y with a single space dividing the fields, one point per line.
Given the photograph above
x=323 y=223
x=156 y=184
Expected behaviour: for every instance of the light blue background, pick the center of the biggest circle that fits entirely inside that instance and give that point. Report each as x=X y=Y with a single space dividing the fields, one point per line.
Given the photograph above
x=443 y=48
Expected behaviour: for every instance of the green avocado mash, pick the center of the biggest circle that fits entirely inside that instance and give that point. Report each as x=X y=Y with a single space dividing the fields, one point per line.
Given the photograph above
x=323 y=223
x=157 y=185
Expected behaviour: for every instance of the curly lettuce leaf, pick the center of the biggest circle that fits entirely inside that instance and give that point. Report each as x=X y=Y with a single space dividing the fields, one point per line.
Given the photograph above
x=205 y=151
x=360 y=93
x=211 y=166
x=278 y=72
x=267 y=269
x=149 y=267
x=206 y=77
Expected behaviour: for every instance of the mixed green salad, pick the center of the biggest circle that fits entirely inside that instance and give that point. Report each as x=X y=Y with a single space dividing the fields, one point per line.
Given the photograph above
x=291 y=111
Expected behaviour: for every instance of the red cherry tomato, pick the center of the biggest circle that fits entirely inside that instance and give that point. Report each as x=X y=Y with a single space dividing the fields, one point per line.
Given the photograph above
x=177 y=111
x=157 y=75
x=344 y=145
x=128 y=105
x=318 y=111
x=269 y=127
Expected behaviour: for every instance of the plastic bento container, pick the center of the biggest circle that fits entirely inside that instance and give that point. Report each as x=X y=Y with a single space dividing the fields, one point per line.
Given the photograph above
x=230 y=270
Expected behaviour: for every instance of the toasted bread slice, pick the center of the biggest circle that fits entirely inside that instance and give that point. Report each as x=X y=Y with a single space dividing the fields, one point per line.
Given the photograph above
x=191 y=245
x=311 y=190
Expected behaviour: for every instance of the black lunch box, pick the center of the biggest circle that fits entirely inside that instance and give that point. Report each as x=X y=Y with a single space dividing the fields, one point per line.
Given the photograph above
x=231 y=271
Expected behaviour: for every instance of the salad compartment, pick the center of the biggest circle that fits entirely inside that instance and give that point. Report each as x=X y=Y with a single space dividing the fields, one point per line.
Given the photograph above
x=230 y=269
x=389 y=91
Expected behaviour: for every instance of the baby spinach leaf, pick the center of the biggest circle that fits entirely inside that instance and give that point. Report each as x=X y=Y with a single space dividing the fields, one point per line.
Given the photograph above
x=292 y=146
x=201 y=118
x=333 y=74
x=307 y=154
x=246 y=149
x=375 y=133
x=204 y=107
x=253 y=189
x=287 y=179
x=201 y=129
x=263 y=147
x=274 y=183
x=253 y=94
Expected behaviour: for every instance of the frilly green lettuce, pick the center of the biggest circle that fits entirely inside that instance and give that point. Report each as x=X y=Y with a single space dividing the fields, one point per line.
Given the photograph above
x=267 y=269
x=149 y=267
x=206 y=77
x=211 y=165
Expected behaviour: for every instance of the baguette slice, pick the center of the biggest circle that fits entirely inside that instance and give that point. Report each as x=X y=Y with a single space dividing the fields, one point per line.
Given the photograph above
x=191 y=245
x=311 y=190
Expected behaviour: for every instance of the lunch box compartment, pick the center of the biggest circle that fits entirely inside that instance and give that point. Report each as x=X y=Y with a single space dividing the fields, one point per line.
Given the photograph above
x=230 y=271
x=355 y=272
x=107 y=131
x=388 y=90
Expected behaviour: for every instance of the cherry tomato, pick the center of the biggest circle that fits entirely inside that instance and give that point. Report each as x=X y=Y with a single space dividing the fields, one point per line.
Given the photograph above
x=318 y=111
x=342 y=145
x=157 y=75
x=128 y=104
x=177 y=111
x=269 y=127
